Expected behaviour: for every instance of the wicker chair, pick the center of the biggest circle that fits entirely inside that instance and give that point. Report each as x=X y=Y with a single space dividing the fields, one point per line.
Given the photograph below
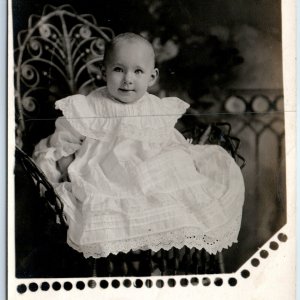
x=61 y=54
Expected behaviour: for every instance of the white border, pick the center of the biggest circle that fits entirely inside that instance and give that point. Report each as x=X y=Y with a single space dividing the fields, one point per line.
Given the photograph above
x=3 y=134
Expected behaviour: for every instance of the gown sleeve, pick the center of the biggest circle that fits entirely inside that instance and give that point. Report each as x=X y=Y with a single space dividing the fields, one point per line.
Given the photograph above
x=175 y=106
x=63 y=142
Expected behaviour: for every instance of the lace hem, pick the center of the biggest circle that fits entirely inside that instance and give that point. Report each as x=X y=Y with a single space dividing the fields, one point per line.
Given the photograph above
x=190 y=237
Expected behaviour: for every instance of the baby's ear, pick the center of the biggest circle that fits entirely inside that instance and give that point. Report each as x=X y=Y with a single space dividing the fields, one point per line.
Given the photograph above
x=153 y=77
x=103 y=71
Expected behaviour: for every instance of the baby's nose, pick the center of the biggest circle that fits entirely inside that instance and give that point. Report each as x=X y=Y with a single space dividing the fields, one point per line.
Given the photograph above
x=128 y=78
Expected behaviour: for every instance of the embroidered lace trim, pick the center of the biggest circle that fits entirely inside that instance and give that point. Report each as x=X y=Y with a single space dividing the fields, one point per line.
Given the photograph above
x=190 y=237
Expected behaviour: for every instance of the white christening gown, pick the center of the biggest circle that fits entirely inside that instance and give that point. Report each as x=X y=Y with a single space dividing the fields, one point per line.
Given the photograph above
x=135 y=182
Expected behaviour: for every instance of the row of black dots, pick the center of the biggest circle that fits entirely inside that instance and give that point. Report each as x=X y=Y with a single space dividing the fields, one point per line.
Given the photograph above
x=255 y=262
x=138 y=283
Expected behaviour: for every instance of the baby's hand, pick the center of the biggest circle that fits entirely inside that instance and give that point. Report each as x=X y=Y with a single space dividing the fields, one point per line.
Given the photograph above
x=63 y=165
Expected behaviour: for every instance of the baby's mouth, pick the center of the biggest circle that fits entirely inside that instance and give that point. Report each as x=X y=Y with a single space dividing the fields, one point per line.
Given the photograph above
x=126 y=90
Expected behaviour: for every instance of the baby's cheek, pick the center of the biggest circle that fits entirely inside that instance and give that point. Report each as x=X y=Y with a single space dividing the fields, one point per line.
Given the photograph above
x=116 y=78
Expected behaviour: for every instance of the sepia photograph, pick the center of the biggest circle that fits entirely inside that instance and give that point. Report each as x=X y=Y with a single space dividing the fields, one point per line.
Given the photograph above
x=149 y=136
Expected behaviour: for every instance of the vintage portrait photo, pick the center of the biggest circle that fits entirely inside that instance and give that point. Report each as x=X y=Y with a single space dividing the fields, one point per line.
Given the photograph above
x=149 y=143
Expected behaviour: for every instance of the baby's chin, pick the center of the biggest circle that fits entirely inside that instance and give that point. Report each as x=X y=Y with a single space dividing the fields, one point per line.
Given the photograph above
x=127 y=97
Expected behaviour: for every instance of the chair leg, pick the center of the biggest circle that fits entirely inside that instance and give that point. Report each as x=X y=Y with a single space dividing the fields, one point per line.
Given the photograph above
x=94 y=267
x=221 y=263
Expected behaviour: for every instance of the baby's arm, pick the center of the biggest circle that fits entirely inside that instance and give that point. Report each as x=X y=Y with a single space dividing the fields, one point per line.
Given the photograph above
x=55 y=153
x=67 y=141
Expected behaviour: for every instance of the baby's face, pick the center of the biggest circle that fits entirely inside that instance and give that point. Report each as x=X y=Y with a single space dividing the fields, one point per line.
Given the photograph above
x=130 y=71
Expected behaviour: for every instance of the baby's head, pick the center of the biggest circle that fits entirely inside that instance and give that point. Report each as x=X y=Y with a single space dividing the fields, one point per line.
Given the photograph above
x=129 y=67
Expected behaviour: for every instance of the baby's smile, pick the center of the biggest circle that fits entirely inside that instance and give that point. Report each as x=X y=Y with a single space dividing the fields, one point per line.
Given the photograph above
x=126 y=90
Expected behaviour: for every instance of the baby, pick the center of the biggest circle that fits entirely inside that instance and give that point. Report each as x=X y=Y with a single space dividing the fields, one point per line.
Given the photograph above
x=128 y=70
x=128 y=179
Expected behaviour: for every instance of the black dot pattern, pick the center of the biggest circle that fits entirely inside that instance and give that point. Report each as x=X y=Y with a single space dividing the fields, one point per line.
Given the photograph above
x=255 y=262
x=184 y=282
x=33 y=287
x=206 y=281
x=80 y=285
x=104 y=284
x=274 y=245
x=21 y=288
x=115 y=283
x=138 y=283
x=282 y=237
x=159 y=283
x=245 y=273
x=218 y=281
x=45 y=286
x=264 y=253
x=127 y=283
x=171 y=282
x=56 y=286
x=148 y=283
x=232 y=281
x=92 y=284
x=68 y=286
x=194 y=281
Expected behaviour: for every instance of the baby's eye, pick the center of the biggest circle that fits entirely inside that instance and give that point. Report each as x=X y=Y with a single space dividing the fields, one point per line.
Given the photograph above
x=117 y=69
x=139 y=71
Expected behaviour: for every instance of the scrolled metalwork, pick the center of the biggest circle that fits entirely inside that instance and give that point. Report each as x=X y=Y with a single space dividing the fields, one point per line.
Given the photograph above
x=98 y=46
x=35 y=48
x=29 y=103
x=45 y=31
x=85 y=32
x=60 y=53
x=29 y=75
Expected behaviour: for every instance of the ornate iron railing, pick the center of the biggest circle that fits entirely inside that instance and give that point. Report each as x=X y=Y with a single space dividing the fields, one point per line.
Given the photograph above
x=257 y=119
